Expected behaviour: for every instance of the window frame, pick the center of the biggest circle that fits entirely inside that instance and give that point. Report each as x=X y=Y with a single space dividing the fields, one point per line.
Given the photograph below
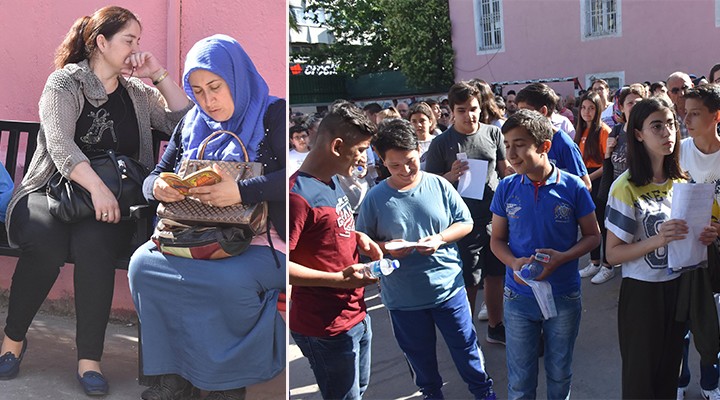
x=585 y=6
x=619 y=75
x=478 y=15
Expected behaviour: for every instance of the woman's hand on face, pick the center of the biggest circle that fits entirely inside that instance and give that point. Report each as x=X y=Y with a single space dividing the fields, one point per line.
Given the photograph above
x=162 y=191
x=105 y=204
x=222 y=194
x=144 y=64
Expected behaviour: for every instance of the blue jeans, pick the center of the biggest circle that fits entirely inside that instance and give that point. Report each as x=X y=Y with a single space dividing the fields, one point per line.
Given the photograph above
x=523 y=325
x=415 y=334
x=341 y=363
x=708 y=373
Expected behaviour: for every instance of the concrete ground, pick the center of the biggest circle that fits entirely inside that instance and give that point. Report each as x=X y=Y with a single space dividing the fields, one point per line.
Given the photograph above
x=48 y=370
x=596 y=364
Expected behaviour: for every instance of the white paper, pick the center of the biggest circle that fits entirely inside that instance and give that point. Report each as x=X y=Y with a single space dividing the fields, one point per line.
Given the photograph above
x=392 y=246
x=472 y=181
x=691 y=202
x=543 y=295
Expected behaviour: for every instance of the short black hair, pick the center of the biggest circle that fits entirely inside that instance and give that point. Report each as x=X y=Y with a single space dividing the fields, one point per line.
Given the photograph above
x=346 y=121
x=511 y=92
x=395 y=134
x=638 y=158
x=298 y=128
x=709 y=94
x=537 y=125
x=537 y=95
x=373 y=108
x=713 y=71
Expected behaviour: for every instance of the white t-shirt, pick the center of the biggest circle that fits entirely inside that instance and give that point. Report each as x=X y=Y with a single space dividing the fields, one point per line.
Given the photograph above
x=295 y=160
x=607 y=115
x=562 y=122
x=634 y=214
x=703 y=168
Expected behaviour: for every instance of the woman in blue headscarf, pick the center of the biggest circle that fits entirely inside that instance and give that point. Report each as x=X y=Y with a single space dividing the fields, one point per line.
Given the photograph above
x=213 y=324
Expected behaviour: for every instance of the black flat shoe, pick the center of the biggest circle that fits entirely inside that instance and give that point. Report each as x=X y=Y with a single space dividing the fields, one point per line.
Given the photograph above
x=10 y=365
x=168 y=387
x=235 y=394
x=94 y=383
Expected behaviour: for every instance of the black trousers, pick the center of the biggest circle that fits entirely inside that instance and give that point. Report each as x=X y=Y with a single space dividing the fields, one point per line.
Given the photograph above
x=598 y=253
x=651 y=340
x=46 y=244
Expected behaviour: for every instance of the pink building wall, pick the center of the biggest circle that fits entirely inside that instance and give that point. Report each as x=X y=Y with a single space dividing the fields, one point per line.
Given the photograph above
x=543 y=40
x=31 y=31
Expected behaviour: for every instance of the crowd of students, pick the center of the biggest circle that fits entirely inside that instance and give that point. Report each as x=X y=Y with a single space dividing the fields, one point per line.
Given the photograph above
x=602 y=185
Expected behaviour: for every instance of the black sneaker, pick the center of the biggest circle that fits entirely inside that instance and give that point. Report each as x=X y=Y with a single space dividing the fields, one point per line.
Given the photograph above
x=496 y=334
x=168 y=387
x=235 y=394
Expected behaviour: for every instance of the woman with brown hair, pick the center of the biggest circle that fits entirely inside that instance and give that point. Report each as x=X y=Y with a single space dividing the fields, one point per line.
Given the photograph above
x=92 y=102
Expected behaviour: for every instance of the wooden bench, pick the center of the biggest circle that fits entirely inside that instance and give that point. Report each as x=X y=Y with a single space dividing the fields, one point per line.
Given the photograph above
x=21 y=142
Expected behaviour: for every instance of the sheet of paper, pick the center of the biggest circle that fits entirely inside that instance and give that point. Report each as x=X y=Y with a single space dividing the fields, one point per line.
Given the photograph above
x=472 y=182
x=543 y=295
x=691 y=202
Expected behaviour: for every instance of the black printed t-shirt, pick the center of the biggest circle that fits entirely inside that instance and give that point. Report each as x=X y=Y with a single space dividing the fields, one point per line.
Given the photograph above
x=113 y=125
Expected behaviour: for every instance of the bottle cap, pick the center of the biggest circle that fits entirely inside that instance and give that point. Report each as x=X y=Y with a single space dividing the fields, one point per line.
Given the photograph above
x=395 y=264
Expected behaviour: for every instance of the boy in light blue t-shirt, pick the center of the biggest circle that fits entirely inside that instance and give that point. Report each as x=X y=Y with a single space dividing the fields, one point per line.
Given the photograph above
x=539 y=210
x=428 y=290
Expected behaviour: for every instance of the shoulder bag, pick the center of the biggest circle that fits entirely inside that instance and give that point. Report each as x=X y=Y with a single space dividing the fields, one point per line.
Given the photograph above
x=70 y=202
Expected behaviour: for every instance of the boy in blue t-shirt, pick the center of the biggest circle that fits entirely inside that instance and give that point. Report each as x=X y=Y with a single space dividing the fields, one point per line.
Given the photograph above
x=428 y=289
x=539 y=210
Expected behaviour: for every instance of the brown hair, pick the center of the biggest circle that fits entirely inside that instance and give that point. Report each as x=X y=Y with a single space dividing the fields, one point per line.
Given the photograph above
x=592 y=150
x=637 y=89
x=81 y=41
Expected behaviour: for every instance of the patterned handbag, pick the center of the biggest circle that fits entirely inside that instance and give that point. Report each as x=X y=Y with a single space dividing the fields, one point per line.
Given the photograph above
x=191 y=211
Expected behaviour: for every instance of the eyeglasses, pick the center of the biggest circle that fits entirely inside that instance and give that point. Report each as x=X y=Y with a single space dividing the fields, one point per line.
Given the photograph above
x=658 y=128
x=676 y=90
x=300 y=137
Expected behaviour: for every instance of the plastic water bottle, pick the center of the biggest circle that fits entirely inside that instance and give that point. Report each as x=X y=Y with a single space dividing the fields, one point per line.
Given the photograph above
x=381 y=267
x=534 y=269
x=531 y=271
x=358 y=171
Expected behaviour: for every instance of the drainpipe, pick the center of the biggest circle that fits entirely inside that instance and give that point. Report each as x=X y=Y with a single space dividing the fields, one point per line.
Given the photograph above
x=174 y=39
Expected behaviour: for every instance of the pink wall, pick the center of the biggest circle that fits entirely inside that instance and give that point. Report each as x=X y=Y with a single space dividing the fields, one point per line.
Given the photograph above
x=32 y=30
x=542 y=40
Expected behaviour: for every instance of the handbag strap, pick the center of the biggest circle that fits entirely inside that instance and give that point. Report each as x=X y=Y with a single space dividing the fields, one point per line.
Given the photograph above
x=201 y=150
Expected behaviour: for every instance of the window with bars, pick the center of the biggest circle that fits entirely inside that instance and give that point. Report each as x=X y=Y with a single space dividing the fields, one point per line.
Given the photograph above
x=601 y=18
x=489 y=25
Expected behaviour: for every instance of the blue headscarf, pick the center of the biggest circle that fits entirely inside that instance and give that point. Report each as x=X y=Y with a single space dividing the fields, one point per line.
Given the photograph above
x=223 y=55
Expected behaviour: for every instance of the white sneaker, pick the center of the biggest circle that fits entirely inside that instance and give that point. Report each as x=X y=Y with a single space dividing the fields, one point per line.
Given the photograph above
x=482 y=314
x=711 y=394
x=681 y=393
x=604 y=275
x=590 y=270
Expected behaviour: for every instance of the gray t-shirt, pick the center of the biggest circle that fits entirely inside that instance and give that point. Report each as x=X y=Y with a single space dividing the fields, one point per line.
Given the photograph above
x=485 y=144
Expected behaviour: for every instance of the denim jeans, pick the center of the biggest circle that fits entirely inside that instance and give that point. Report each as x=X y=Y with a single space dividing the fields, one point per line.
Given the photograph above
x=341 y=363
x=708 y=373
x=523 y=325
x=415 y=334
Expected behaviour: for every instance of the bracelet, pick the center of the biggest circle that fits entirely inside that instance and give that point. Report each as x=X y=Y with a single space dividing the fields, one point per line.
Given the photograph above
x=160 y=79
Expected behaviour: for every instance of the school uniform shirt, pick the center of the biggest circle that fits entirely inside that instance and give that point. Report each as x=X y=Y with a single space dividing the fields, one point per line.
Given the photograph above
x=565 y=154
x=322 y=237
x=703 y=168
x=633 y=214
x=543 y=215
x=421 y=282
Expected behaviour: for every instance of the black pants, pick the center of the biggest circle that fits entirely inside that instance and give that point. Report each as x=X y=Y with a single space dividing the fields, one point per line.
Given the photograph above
x=598 y=253
x=46 y=244
x=651 y=340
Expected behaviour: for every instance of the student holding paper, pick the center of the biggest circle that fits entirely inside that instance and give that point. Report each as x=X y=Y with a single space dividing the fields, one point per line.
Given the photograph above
x=639 y=230
x=538 y=210
x=427 y=291
x=476 y=141
x=700 y=157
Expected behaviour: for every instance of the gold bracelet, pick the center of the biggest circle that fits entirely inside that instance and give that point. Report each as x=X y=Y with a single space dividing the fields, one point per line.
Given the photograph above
x=160 y=79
